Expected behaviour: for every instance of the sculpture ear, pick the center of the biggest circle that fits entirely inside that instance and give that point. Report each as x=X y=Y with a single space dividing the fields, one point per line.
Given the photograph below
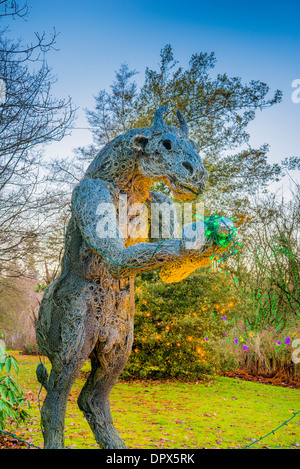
x=139 y=142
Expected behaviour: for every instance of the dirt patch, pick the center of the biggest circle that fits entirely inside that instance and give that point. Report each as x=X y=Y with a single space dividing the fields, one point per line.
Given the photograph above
x=274 y=380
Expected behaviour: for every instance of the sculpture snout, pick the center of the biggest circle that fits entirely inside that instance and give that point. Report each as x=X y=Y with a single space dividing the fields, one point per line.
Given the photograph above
x=195 y=174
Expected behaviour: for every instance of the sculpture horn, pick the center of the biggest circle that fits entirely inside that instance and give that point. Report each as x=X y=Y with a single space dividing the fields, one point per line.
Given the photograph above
x=158 y=121
x=183 y=125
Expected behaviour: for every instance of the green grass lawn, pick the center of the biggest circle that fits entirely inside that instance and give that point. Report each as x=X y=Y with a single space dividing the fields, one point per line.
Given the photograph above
x=223 y=413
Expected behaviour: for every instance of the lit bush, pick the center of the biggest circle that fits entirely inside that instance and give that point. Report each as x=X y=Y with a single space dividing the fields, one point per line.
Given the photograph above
x=176 y=324
x=267 y=351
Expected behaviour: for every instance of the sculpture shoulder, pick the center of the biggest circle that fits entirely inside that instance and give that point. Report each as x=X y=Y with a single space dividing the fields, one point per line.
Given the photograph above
x=94 y=190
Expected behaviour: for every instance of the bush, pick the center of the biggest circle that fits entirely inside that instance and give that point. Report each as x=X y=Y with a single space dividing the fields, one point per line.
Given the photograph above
x=30 y=349
x=176 y=324
x=266 y=351
x=11 y=395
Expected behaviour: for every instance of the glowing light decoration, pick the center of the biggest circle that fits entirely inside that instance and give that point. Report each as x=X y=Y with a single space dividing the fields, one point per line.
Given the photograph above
x=220 y=233
x=223 y=233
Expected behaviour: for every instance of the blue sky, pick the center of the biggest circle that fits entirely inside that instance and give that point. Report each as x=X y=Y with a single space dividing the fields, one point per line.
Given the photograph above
x=253 y=40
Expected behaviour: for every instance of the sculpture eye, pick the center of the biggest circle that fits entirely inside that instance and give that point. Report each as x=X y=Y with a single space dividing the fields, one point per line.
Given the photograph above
x=167 y=144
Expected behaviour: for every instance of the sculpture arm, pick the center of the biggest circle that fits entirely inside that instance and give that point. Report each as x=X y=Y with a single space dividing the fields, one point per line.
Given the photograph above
x=96 y=219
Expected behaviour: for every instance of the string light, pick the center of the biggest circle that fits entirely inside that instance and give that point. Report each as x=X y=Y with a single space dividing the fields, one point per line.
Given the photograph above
x=272 y=432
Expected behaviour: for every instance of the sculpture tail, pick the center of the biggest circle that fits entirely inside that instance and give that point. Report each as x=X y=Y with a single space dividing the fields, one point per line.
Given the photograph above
x=42 y=375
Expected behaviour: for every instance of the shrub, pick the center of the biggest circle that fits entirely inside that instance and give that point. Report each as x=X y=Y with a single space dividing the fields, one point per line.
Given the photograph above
x=176 y=324
x=265 y=351
x=11 y=395
x=30 y=349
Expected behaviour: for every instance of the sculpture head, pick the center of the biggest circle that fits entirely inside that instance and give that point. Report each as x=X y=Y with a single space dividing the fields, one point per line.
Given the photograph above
x=157 y=153
x=168 y=154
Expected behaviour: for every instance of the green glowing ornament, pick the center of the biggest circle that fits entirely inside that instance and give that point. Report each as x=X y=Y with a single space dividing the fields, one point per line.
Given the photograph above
x=222 y=231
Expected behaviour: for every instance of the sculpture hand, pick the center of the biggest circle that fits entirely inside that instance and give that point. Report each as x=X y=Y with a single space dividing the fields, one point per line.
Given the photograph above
x=200 y=242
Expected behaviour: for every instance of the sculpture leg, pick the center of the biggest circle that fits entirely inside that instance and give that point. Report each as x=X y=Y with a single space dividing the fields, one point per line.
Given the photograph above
x=94 y=399
x=54 y=406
